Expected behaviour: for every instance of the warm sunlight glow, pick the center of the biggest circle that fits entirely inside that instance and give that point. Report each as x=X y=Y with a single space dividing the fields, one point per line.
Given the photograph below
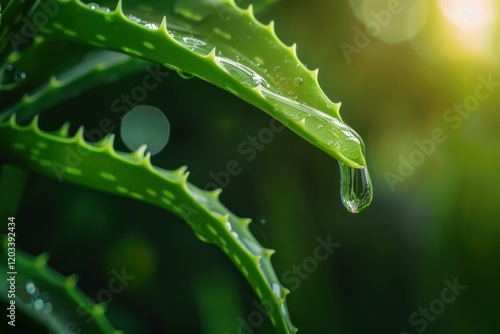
x=470 y=15
x=474 y=20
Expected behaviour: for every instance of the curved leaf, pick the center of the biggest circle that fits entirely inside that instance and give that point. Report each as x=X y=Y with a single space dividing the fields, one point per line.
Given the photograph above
x=99 y=166
x=236 y=53
x=50 y=298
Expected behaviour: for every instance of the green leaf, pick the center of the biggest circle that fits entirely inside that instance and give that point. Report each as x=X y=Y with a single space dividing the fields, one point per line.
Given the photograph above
x=99 y=166
x=236 y=53
x=48 y=297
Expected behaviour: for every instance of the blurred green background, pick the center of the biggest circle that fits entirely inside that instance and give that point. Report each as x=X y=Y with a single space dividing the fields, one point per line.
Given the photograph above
x=438 y=222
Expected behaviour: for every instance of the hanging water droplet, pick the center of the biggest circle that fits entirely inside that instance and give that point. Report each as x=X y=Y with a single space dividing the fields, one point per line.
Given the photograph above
x=105 y=10
x=298 y=81
x=185 y=75
x=145 y=125
x=355 y=188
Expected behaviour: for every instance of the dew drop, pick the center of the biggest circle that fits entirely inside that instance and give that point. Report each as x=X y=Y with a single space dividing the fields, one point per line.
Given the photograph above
x=134 y=18
x=242 y=73
x=151 y=26
x=19 y=75
x=145 y=125
x=11 y=75
x=30 y=288
x=38 y=304
x=194 y=44
x=355 y=188
x=93 y=5
x=298 y=81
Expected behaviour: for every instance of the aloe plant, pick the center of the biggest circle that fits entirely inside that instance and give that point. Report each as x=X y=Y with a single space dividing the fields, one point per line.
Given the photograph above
x=83 y=45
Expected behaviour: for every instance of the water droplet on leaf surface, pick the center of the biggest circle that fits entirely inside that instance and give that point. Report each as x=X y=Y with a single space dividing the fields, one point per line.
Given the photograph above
x=93 y=5
x=298 y=81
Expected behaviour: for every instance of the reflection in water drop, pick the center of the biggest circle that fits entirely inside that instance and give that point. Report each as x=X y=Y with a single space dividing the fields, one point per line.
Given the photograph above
x=145 y=125
x=355 y=188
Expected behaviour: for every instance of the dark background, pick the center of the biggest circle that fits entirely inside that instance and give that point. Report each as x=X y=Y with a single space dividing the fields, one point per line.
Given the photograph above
x=441 y=223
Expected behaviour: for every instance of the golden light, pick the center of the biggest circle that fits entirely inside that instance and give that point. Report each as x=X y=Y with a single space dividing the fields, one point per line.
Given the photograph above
x=474 y=22
x=470 y=15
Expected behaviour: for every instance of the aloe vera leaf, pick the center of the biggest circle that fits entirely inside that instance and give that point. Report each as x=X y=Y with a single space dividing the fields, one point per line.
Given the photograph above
x=238 y=54
x=49 y=298
x=102 y=168
x=96 y=67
